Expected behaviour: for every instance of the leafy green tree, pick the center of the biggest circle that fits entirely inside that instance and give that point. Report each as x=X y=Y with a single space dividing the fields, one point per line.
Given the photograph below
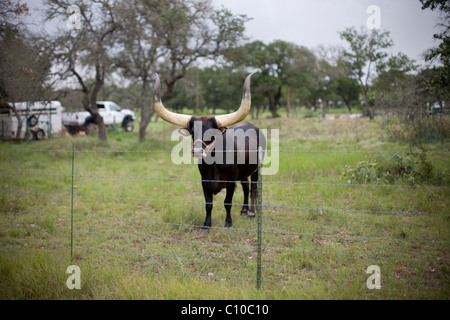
x=281 y=64
x=302 y=80
x=440 y=82
x=394 y=75
x=366 y=52
x=348 y=90
x=84 y=54
x=170 y=37
x=221 y=89
x=24 y=62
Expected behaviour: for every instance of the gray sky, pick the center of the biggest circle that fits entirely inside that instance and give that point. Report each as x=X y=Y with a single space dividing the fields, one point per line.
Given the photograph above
x=317 y=22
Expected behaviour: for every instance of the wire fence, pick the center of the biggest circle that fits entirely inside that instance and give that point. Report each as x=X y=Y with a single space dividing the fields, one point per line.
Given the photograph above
x=110 y=230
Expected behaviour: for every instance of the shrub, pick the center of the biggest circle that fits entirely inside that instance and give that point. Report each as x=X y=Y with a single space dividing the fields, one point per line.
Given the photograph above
x=412 y=168
x=421 y=130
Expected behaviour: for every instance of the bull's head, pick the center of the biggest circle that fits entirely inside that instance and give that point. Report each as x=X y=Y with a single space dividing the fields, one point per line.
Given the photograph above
x=190 y=124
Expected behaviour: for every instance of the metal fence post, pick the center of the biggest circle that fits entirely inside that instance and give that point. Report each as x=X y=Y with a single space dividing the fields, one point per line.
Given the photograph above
x=259 y=257
x=71 y=207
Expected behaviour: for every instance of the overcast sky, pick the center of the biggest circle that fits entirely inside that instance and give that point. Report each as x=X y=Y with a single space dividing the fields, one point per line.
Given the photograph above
x=317 y=22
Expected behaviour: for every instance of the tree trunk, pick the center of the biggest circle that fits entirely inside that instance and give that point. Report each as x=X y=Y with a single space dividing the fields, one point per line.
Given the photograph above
x=324 y=108
x=19 y=122
x=99 y=80
x=101 y=126
x=288 y=104
x=90 y=104
x=146 y=111
x=369 y=110
x=146 y=116
x=349 y=107
x=275 y=102
x=324 y=105
x=197 y=93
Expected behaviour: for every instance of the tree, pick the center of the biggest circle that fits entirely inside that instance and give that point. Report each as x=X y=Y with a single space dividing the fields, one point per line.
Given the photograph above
x=301 y=78
x=277 y=62
x=171 y=36
x=139 y=49
x=11 y=30
x=328 y=69
x=393 y=74
x=85 y=52
x=348 y=90
x=365 y=54
x=24 y=65
x=441 y=53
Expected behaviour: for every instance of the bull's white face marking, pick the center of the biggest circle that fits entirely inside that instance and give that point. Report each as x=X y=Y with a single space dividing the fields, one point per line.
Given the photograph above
x=199 y=153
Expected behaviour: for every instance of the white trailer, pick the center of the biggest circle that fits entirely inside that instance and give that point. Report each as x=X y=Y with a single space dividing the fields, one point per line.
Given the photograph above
x=39 y=119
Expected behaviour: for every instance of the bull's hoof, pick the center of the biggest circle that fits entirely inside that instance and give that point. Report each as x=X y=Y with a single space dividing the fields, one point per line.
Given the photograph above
x=244 y=211
x=206 y=228
x=228 y=224
x=251 y=214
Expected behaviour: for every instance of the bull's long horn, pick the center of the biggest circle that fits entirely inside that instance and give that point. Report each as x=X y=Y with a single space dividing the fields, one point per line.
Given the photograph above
x=227 y=120
x=177 y=119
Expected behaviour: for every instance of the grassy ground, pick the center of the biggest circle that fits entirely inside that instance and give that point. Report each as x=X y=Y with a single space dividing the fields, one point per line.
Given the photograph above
x=136 y=233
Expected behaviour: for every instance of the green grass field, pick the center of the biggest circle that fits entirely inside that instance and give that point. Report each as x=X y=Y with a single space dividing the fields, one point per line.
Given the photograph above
x=136 y=234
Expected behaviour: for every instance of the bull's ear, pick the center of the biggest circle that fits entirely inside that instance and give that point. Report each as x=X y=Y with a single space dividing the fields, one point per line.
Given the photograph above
x=223 y=129
x=184 y=132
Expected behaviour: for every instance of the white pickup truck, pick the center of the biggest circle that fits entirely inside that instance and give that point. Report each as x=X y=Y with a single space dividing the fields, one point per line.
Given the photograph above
x=112 y=115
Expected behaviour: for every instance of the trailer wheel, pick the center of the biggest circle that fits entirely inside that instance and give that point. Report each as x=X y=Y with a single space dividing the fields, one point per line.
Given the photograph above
x=40 y=134
x=32 y=121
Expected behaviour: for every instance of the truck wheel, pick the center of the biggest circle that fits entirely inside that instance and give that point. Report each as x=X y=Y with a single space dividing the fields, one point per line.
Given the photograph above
x=90 y=125
x=128 y=125
x=40 y=134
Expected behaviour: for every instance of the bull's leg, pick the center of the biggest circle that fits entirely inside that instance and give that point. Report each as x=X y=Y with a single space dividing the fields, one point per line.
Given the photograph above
x=209 y=206
x=254 y=195
x=245 y=188
x=228 y=201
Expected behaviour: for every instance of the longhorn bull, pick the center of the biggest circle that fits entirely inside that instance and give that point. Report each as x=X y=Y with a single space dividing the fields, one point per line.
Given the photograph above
x=234 y=159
